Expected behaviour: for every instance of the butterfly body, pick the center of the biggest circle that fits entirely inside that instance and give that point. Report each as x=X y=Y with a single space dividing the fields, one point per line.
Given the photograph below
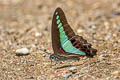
x=63 y=57
x=66 y=44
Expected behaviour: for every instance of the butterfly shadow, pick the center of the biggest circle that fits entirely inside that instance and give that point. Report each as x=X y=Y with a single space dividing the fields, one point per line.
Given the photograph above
x=69 y=65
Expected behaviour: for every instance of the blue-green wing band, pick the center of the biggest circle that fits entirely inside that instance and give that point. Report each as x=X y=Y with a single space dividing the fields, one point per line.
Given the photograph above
x=65 y=43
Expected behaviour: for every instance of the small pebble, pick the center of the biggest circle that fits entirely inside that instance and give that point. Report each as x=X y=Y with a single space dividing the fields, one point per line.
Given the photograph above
x=38 y=34
x=79 y=31
x=72 y=68
x=3 y=50
x=92 y=26
x=22 y=51
x=67 y=75
x=86 y=70
x=108 y=36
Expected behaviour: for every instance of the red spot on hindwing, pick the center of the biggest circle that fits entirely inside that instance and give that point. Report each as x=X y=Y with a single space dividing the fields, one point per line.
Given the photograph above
x=62 y=50
x=82 y=56
x=76 y=45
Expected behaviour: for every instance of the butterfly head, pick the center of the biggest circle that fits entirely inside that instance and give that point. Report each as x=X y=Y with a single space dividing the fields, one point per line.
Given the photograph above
x=53 y=57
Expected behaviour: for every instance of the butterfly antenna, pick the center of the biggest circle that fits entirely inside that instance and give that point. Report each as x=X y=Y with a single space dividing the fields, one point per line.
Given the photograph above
x=88 y=64
x=51 y=63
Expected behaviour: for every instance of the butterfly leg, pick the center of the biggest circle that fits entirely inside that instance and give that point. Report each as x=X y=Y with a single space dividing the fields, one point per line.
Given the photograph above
x=51 y=64
x=56 y=60
x=88 y=64
x=78 y=59
x=52 y=58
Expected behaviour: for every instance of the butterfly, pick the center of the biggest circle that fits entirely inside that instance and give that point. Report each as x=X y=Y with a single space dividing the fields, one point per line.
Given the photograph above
x=66 y=44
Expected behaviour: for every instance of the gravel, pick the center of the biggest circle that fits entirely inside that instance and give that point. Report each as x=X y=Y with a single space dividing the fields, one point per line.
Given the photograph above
x=26 y=25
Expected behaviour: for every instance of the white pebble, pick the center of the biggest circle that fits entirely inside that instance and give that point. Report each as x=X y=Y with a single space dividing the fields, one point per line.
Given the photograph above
x=67 y=75
x=72 y=68
x=79 y=31
x=38 y=34
x=93 y=26
x=22 y=51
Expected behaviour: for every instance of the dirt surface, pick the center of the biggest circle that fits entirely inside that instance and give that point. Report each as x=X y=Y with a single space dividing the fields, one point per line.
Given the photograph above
x=27 y=24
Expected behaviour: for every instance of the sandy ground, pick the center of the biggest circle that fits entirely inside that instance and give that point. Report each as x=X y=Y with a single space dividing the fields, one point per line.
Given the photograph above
x=27 y=24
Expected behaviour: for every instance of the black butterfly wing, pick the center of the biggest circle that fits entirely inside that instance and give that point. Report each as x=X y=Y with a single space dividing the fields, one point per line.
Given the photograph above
x=55 y=31
x=68 y=30
x=55 y=36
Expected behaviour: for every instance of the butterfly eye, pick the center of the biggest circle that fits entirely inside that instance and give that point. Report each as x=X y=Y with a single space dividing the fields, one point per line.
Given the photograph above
x=51 y=57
